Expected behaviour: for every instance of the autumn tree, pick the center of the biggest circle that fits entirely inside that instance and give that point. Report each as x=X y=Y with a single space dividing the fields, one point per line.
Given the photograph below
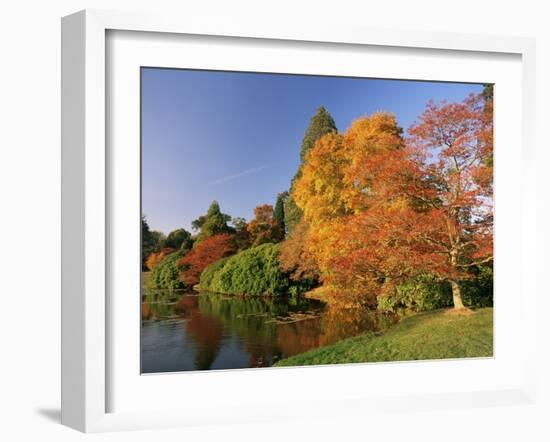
x=263 y=228
x=319 y=190
x=202 y=254
x=155 y=258
x=320 y=124
x=399 y=211
x=455 y=189
x=151 y=241
x=214 y=222
x=336 y=177
x=295 y=257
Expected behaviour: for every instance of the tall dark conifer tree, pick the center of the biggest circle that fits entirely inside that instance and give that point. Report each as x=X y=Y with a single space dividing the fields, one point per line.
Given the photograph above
x=279 y=213
x=320 y=124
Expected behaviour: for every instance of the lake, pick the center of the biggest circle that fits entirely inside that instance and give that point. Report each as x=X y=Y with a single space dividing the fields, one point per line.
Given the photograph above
x=182 y=331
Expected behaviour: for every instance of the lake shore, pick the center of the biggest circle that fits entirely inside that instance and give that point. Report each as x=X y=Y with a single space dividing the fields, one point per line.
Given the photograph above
x=431 y=335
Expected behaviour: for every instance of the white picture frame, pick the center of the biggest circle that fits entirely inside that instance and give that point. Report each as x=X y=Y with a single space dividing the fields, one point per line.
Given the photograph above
x=86 y=204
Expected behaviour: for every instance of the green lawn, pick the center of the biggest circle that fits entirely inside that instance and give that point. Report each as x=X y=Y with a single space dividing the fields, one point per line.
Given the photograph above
x=433 y=335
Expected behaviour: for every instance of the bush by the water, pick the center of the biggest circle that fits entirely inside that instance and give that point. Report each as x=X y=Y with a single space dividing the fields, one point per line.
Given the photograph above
x=166 y=274
x=253 y=271
x=208 y=274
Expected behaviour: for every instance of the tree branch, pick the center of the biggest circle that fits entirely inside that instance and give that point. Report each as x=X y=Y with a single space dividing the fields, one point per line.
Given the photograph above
x=476 y=263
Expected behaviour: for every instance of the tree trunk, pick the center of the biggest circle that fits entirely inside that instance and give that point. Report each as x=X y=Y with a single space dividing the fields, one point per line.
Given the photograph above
x=457 y=297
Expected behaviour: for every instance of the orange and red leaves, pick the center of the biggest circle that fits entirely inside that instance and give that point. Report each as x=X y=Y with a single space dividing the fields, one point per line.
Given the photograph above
x=263 y=228
x=381 y=209
x=155 y=258
x=204 y=253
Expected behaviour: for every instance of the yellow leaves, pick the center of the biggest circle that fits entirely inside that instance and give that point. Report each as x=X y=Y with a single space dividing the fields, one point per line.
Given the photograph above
x=334 y=187
x=371 y=135
x=367 y=141
x=335 y=176
x=317 y=191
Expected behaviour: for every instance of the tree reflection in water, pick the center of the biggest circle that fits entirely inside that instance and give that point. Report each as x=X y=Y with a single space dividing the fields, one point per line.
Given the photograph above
x=239 y=332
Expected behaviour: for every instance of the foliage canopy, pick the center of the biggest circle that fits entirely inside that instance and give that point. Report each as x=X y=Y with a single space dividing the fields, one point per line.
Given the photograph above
x=214 y=222
x=204 y=253
x=320 y=124
x=166 y=274
x=382 y=209
x=254 y=272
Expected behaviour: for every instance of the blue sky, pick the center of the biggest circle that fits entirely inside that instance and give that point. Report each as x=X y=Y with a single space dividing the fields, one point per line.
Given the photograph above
x=235 y=137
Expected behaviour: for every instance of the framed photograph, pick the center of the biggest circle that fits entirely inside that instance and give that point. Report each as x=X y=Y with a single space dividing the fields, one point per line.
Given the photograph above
x=250 y=212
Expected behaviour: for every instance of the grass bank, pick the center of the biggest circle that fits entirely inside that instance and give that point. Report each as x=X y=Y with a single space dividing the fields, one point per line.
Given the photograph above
x=432 y=335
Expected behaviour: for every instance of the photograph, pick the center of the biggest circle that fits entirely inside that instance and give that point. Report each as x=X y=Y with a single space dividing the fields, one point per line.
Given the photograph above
x=291 y=220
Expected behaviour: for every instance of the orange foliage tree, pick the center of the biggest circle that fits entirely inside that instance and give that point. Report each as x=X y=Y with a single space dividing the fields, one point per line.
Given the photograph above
x=295 y=257
x=155 y=258
x=204 y=253
x=330 y=196
x=453 y=148
x=384 y=211
x=263 y=228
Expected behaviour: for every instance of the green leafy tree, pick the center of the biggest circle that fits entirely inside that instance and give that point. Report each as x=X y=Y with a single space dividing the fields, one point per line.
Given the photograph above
x=178 y=238
x=242 y=237
x=213 y=223
x=320 y=124
x=293 y=215
x=279 y=213
x=158 y=238
x=151 y=241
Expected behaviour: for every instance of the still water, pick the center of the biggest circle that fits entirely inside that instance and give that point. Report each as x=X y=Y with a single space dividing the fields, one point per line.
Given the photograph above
x=209 y=331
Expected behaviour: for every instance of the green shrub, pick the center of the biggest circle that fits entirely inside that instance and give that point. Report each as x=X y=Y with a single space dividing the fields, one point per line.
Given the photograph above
x=253 y=271
x=166 y=274
x=209 y=273
x=423 y=293
x=298 y=288
x=478 y=292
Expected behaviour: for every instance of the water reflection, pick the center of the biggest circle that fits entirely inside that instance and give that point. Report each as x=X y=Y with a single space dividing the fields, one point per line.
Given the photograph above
x=208 y=331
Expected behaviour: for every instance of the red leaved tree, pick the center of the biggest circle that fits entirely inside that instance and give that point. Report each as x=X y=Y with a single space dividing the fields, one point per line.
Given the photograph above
x=295 y=258
x=263 y=228
x=204 y=253
x=420 y=208
x=428 y=206
x=453 y=145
